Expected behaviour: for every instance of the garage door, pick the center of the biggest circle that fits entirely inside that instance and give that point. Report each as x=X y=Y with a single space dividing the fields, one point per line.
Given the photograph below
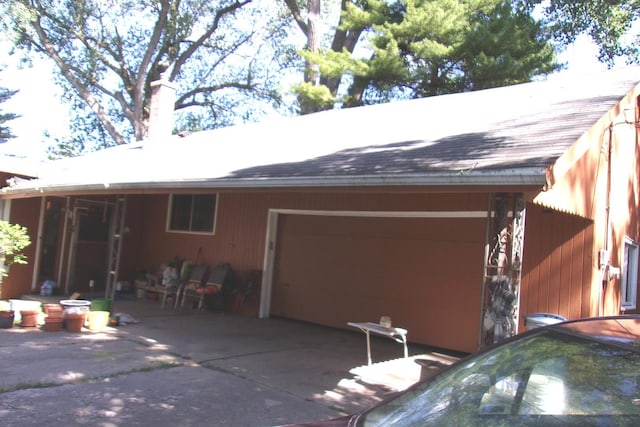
x=426 y=273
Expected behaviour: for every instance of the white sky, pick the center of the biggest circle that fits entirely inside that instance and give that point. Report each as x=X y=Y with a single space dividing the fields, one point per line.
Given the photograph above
x=41 y=110
x=38 y=104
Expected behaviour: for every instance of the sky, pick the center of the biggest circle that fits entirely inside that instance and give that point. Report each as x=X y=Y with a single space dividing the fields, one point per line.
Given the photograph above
x=37 y=103
x=40 y=109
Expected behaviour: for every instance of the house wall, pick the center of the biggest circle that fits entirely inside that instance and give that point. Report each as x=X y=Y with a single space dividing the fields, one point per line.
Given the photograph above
x=597 y=178
x=444 y=255
x=557 y=265
x=619 y=201
x=238 y=239
x=133 y=244
x=241 y=222
x=559 y=254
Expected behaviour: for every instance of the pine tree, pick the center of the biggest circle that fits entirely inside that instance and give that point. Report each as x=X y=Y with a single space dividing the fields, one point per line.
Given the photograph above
x=416 y=48
x=5 y=131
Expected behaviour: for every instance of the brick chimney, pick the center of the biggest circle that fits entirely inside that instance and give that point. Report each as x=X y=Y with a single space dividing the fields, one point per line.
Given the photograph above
x=163 y=98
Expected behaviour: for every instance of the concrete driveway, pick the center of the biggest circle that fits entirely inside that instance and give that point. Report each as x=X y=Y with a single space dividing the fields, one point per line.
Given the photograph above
x=188 y=369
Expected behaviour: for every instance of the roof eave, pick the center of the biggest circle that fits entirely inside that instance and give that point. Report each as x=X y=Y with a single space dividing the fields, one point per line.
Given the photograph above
x=510 y=177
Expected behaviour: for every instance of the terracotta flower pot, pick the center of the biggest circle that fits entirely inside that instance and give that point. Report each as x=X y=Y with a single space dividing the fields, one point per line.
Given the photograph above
x=74 y=321
x=53 y=324
x=53 y=310
x=29 y=318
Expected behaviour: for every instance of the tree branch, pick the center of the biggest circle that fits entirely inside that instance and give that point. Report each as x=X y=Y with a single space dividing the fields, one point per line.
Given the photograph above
x=143 y=72
x=180 y=103
x=202 y=39
x=94 y=45
x=297 y=16
x=84 y=93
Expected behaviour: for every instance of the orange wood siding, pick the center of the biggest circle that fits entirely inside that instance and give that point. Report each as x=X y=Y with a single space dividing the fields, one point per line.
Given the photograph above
x=241 y=223
x=134 y=248
x=598 y=178
x=423 y=272
x=557 y=264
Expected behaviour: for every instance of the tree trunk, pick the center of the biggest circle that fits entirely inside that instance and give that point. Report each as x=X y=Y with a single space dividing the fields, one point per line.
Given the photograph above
x=311 y=72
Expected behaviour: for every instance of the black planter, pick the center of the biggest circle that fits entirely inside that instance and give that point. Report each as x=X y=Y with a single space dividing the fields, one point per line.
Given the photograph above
x=6 y=319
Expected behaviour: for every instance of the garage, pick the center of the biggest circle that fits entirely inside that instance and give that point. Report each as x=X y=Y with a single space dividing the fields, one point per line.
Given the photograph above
x=425 y=272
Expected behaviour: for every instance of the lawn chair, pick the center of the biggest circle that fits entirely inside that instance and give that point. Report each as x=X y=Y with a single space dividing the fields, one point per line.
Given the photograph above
x=194 y=280
x=212 y=289
x=169 y=284
x=245 y=288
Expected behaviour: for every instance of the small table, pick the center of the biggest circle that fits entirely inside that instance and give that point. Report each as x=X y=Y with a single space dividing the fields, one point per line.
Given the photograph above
x=397 y=334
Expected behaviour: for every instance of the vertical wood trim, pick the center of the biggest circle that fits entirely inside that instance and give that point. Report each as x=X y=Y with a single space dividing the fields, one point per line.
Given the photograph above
x=63 y=244
x=39 y=232
x=577 y=278
x=269 y=259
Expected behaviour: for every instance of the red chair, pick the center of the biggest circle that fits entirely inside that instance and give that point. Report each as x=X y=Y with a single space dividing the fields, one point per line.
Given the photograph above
x=192 y=283
x=213 y=287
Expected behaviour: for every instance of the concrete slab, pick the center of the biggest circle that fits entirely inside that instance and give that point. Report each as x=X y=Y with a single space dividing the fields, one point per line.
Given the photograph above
x=179 y=396
x=187 y=368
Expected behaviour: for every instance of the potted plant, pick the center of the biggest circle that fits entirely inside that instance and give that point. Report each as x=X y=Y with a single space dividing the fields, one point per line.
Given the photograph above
x=14 y=238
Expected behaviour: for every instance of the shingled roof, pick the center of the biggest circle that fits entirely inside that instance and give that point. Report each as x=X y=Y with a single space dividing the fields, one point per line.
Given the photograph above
x=502 y=136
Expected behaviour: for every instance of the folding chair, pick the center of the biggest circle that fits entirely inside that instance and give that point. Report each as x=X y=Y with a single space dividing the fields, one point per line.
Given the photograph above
x=212 y=288
x=169 y=285
x=194 y=281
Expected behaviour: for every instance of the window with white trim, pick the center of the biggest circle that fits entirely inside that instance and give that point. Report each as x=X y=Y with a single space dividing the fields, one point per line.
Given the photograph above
x=629 y=275
x=192 y=213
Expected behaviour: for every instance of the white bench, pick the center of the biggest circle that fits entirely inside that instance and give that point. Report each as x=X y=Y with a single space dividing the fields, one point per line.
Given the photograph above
x=397 y=334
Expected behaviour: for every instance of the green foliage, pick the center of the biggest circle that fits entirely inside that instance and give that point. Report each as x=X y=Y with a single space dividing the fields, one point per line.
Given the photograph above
x=14 y=238
x=609 y=23
x=419 y=48
x=316 y=97
x=5 y=131
x=222 y=56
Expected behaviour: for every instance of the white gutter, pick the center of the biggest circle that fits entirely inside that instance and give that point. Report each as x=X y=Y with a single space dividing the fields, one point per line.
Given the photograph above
x=510 y=177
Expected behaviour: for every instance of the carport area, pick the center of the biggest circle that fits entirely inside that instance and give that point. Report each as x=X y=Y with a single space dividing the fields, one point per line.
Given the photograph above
x=187 y=369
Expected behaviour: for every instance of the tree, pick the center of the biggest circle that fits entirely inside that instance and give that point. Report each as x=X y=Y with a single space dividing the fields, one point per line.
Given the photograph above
x=5 y=131
x=14 y=238
x=418 y=48
x=220 y=54
x=609 y=23
x=318 y=90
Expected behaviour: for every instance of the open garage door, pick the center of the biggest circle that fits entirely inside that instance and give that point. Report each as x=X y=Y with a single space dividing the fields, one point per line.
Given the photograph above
x=425 y=273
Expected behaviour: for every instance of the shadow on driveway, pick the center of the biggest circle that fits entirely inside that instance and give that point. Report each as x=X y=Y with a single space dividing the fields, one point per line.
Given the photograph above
x=186 y=369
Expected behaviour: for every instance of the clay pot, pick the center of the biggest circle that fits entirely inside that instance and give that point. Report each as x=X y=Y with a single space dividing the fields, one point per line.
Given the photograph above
x=53 y=310
x=53 y=321
x=74 y=321
x=53 y=324
x=29 y=318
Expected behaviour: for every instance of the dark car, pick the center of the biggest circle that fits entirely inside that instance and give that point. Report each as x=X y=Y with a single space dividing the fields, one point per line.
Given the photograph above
x=576 y=373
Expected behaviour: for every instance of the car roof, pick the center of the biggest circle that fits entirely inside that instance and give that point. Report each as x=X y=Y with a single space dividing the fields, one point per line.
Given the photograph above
x=620 y=329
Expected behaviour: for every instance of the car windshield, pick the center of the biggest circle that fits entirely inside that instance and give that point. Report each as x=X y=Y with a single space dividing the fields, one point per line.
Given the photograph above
x=546 y=379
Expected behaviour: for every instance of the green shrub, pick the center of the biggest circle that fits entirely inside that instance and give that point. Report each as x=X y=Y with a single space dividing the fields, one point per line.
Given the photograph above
x=13 y=239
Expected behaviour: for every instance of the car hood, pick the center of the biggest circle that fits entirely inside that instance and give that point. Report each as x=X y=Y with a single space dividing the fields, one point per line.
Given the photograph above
x=346 y=421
